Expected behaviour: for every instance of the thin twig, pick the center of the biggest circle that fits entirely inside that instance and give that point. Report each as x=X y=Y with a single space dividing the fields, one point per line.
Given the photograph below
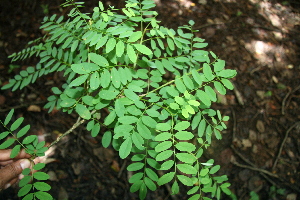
x=255 y=169
x=286 y=97
x=284 y=100
x=282 y=144
x=78 y=123
x=22 y=105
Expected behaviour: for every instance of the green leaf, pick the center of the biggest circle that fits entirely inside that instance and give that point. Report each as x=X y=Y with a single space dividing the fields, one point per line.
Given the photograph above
x=153 y=113
x=120 y=47
x=83 y=111
x=108 y=94
x=143 y=49
x=115 y=77
x=42 y=186
x=219 y=65
x=150 y=184
x=135 y=36
x=201 y=128
x=79 y=80
x=228 y=73
x=15 y=151
x=148 y=121
x=211 y=93
x=136 y=186
x=164 y=155
x=125 y=148
x=131 y=53
x=98 y=59
x=185 y=146
x=143 y=191
x=16 y=124
x=67 y=102
x=166 y=178
x=25 y=180
x=167 y=165
x=182 y=125
x=131 y=95
x=136 y=177
x=186 y=168
x=110 y=45
x=137 y=140
x=128 y=119
x=193 y=190
x=101 y=42
x=23 y=131
x=203 y=97
x=188 y=82
x=143 y=131
x=175 y=188
x=26 y=171
x=105 y=78
x=106 y=139
x=39 y=166
x=24 y=190
x=184 y=135
x=151 y=174
x=185 y=180
x=195 y=197
x=8 y=117
x=186 y=157
x=84 y=68
x=207 y=72
x=227 y=83
x=179 y=85
x=163 y=146
x=29 y=139
x=43 y=195
x=95 y=130
x=95 y=81
x=220 y=88
x=135 y=166
x=214 y=169
x=41 y=176
x=163 y=126
x=163 y=136
x=4 y=135
x=197 y=76
x=204 y=171
x=170 y=44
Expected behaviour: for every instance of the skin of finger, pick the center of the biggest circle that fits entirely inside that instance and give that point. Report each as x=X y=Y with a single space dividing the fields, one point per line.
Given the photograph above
x=9 y=172
x=3 y=163
x=5 y=155
x=13 y=181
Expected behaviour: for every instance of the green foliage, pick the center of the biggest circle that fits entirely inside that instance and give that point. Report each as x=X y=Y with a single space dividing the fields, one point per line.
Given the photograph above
x=120 y=62
x=30 y=185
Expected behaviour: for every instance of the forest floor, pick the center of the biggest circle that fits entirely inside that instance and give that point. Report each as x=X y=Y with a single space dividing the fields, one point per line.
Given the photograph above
x=260 y=151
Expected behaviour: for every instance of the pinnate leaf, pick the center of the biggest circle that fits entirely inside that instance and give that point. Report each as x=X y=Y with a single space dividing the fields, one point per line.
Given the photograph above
x=125 y=148
x=166 y=178
x=8 y=117
x=16 y=124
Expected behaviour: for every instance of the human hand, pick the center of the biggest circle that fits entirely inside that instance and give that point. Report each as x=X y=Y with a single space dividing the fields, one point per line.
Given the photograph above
x=10 y=168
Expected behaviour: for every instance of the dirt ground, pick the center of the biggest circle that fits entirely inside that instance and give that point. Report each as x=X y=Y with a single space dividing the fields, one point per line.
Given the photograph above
x=260 y=151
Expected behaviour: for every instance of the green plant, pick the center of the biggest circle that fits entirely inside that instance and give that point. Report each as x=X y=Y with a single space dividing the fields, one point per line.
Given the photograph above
x=157 y=83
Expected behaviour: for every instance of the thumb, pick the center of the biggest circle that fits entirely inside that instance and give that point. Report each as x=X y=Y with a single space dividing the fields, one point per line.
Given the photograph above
x=12 y=171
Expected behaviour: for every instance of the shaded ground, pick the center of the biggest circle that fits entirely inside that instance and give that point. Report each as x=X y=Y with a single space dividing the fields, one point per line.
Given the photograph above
x=261 y=148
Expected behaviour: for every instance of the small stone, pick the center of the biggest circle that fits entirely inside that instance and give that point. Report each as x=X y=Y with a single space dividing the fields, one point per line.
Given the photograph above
x=260 y=126
x=291 y=196
x=246 y=143
x=252 y=135
x=255 y=149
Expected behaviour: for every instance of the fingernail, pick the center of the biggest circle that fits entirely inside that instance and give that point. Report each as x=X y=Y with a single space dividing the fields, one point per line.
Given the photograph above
x=25 y=163
x=7 y=185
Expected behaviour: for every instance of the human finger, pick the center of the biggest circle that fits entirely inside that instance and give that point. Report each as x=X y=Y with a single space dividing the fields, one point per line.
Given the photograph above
x=5 y=155
x=11 y=171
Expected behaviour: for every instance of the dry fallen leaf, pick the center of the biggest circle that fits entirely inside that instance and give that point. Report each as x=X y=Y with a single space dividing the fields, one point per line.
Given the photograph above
x=34 y=108
x=260 y=126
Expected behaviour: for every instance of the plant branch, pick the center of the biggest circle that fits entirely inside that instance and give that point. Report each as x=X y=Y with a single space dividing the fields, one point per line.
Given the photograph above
x=78 y=123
